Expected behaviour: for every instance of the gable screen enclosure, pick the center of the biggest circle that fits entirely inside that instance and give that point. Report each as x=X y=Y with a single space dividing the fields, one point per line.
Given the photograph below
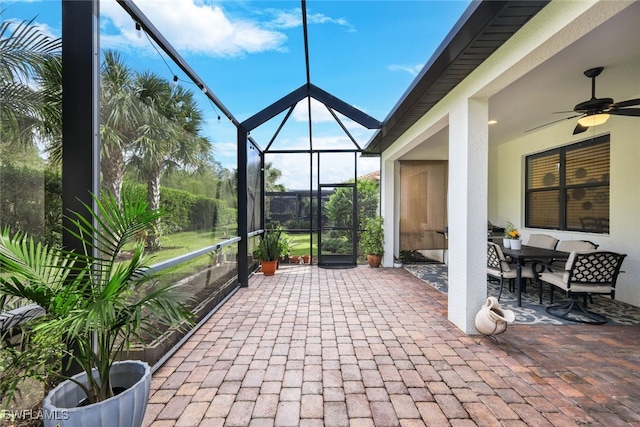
x=215 y=217
x=318 y=159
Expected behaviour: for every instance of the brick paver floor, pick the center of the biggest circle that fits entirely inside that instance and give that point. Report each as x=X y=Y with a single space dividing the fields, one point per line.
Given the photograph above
x=373 y=347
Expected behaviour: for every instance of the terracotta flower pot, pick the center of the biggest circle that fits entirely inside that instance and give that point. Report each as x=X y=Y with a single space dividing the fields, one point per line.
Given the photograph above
x=269 y=267
x=374 y=260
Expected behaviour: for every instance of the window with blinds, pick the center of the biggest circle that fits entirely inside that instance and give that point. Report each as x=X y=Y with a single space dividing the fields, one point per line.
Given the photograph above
x=568 y=188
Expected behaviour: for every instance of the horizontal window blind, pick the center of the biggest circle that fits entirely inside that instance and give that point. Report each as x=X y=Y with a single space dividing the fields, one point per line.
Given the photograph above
x=568 y=188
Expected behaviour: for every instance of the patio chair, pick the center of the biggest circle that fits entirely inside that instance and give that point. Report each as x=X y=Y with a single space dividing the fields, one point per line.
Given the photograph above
x=570 y=246
x=498 y=268
x=542 y=241
x=585 y=274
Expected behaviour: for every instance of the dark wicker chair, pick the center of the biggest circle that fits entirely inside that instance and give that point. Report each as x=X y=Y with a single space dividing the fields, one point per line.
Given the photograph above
x=585 y=274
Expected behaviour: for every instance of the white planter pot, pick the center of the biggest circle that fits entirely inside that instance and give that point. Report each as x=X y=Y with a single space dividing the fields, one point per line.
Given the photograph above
x=516 y=244
x=397 y=264
x=506 y=243
x=125 y=409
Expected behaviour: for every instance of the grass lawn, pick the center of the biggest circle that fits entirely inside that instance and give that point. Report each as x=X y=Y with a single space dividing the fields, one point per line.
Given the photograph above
x=300 y=244
x=177 y=244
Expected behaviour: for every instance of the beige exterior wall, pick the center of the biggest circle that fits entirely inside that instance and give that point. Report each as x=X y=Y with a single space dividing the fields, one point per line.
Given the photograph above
x=556 y=27
x=506 y=191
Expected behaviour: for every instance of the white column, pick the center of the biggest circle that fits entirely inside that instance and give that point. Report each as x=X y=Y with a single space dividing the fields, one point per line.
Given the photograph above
x=467 y=211
x=388 y=210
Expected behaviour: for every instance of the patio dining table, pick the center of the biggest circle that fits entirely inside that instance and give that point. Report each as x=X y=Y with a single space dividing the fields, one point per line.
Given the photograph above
x=530 y=254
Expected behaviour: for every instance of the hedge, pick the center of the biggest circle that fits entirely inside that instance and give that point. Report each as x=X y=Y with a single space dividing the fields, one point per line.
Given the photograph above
x=39 y=213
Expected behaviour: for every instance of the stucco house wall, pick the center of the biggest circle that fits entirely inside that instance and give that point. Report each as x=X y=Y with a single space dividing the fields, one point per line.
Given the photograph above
x=506 y=197
x=459 y=122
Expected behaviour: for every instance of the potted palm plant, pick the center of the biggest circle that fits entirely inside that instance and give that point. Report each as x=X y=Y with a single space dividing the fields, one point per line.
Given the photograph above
x=372 y=240
x=97 y=304
x=269 y=250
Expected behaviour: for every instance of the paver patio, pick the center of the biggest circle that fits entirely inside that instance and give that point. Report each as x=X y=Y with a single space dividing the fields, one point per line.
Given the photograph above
x=373 y=347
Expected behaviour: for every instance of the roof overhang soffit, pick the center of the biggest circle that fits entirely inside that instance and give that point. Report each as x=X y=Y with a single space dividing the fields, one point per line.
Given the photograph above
x=309 y=90
x=484 y=27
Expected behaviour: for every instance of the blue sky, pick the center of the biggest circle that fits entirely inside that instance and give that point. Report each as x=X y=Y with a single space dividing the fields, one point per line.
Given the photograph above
x=251 y=53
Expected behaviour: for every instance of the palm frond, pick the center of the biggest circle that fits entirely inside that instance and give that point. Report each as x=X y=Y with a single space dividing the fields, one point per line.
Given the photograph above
x=23 y=49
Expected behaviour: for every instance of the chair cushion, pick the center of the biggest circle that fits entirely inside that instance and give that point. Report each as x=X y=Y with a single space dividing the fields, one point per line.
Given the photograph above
x=591 y=289
x=558 y=279
x=566 y=265
x=512 y=273
x=493 y=272
x=542 y=241
x=574 y=245
x=561 y=278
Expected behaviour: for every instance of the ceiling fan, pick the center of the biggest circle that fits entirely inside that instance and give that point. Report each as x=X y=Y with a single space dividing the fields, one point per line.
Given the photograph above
x=596 y=111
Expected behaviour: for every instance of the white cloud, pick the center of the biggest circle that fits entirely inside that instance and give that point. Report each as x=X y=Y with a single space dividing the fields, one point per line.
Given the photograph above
x=207 y=29
x=335 y=169
x=319 y=18
x=226 y=153
x=320 y=114
x=44 y=28
x=411 y=69
x=197 y=28
x=293 y=18
x=286 y=18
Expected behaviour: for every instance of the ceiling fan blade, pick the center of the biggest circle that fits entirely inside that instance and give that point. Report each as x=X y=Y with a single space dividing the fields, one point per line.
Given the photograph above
x=555 y=121
x=627 y=103
x=579 y=129
x=634 y=112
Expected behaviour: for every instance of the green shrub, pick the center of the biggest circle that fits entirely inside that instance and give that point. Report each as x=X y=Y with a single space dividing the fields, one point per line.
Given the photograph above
x=270 y=246
x=372 y=240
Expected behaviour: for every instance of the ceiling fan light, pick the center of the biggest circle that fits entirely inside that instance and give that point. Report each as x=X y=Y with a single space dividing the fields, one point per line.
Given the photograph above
x=593 y=119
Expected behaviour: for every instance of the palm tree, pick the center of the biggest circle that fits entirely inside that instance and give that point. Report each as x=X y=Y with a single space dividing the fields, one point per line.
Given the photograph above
x=271 y=177
x=169 y=137
x=30 y=84
x=120 y=118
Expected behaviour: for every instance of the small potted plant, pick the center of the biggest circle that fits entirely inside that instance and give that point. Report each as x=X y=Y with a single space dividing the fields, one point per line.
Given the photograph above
x=269 y=250
x=506 y=241
x=96 y=304
x=512 y=237
x=398 y=261
x=294 y=259
x=372 y=240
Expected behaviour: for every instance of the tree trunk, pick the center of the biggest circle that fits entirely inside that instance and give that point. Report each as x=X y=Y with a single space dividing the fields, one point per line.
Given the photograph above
x=153 y=198
x=112 y=169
